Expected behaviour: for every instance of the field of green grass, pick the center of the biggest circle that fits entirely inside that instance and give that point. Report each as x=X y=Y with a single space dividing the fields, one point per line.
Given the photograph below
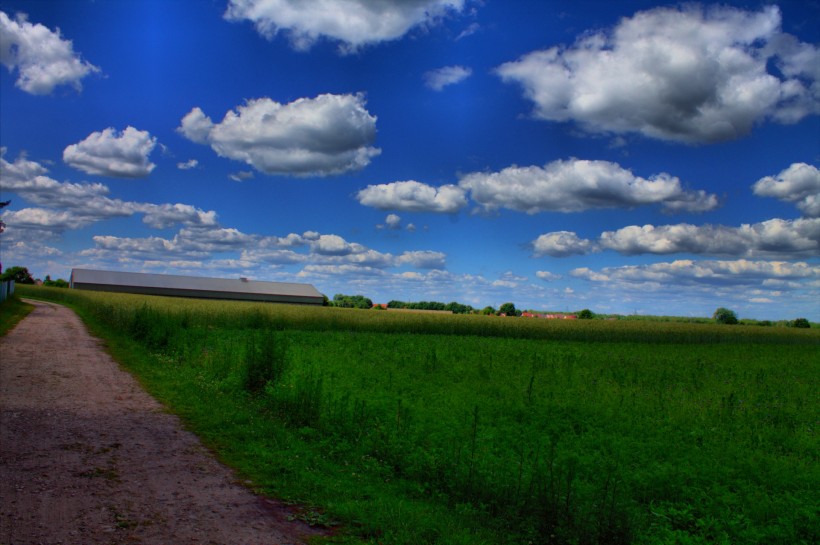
x=407 y=428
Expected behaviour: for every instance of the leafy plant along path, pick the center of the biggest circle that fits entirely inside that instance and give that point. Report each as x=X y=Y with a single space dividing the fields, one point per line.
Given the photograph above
x=86 y=456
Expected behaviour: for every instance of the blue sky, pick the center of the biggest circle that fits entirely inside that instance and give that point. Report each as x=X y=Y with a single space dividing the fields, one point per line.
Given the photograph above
x=627 y=157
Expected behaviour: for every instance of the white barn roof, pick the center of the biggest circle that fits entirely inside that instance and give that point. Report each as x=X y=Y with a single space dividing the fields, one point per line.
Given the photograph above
x=195 y=286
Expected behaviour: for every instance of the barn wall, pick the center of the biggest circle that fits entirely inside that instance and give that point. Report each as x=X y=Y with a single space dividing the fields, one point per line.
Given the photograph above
x=200 y=294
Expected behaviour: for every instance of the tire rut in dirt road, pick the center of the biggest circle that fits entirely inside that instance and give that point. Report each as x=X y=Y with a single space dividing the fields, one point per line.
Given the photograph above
x=86 y=456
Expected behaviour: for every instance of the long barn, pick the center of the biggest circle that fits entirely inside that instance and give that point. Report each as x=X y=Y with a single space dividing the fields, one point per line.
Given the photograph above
x=193 y=286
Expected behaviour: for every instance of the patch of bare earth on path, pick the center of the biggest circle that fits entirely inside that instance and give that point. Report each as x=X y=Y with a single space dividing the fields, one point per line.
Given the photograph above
x=86 y=456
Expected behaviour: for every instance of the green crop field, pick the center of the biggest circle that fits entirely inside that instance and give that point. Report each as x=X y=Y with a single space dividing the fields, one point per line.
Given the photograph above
x=406 y=428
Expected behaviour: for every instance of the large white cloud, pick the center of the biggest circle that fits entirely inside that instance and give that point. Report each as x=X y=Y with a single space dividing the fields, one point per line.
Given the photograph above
x=326 y=252
x=575 y=185
x=685 y=271
x=413 y=196
x=67 y=205
x=800 y=184
x=691 y=75
x=355 y=23
x=43 y=59
x=774 y=238
x=329 y=134
x=109 y=153
x=45 y=220
x=28 y=179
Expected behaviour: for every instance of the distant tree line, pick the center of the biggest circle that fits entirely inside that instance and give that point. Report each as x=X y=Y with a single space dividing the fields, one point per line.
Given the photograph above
x=454 y=307
x=350 y=301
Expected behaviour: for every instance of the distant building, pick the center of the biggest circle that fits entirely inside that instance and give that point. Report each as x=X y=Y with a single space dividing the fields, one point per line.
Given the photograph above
x=241 y=289
x=549 y=316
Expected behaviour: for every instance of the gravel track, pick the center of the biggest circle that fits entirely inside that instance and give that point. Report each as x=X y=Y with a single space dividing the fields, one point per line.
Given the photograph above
x=88 y=457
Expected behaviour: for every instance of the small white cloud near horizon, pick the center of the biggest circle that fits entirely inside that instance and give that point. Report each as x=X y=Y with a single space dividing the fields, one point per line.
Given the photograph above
x=44 y=60
x=113 y=154
x=448 y=75
x=423 y=259
x=547 y=276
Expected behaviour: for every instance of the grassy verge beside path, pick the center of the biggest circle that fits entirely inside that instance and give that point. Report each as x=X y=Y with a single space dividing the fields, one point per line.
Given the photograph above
x=12 y=310
x=412 y=429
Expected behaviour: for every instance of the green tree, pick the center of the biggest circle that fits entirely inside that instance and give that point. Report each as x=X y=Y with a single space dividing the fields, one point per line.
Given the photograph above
x=800 y=323
x=351 y=301
x=458 y=308
x=507 y=309
x=59 y=283
x=725 y=316
x=586 y=314
x=20 y=275
x=487 y=310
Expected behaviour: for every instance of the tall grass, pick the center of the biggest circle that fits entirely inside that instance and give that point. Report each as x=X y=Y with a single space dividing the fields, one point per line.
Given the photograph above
x=169 y=313
x=436 y=429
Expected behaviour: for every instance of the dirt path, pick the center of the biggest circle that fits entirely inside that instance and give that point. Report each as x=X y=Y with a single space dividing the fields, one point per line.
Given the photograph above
x=87 y=457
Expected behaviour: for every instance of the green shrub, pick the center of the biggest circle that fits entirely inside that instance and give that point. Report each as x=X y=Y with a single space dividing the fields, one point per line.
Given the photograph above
x=801 y=323
x=725 y=316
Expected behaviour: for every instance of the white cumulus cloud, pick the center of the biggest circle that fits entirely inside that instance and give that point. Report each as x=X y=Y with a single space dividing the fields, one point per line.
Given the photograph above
x=422 y=259
x=69 y=205
x=448 y=75
x=774 y=238
x=561 y=244
x=692 y=74
x=547 y=276
x=43 y=59
x=576 y=185
x=161 y=216
x=413 y=196
x=800 y=184
x=354 y=23
x=329 y=134
x=109 y=153
x=689 y=272
x=393 y=221
x=42 y=219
